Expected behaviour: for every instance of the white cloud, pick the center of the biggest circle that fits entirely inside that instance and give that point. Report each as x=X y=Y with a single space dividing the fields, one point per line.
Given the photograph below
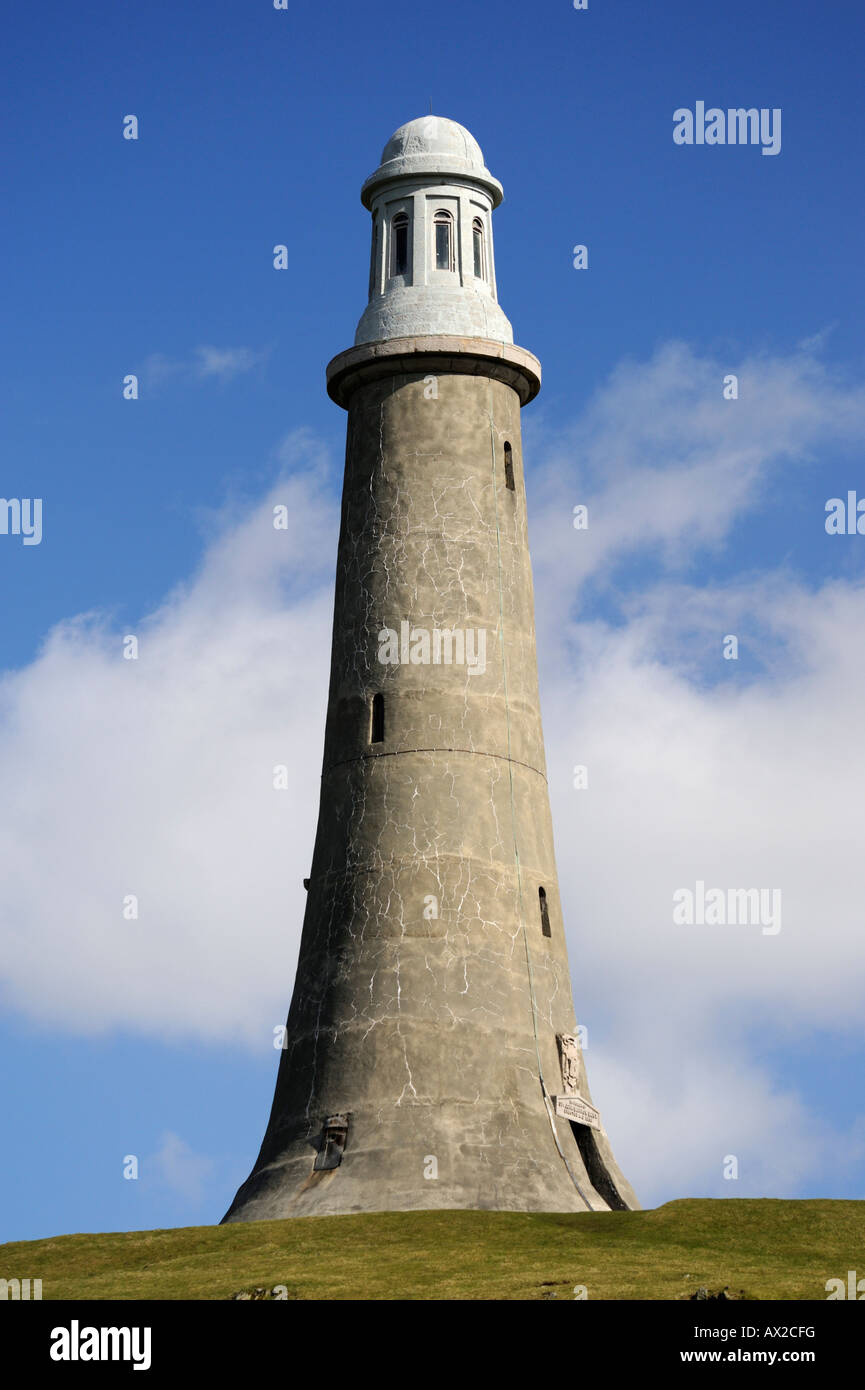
x=667 y=465
x=224 y=363
x=204 y=363
x=176 y=1169
x=154 y=777
x=740 y=785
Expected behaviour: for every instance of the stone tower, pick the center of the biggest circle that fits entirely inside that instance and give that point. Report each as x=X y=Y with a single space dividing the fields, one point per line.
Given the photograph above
x=432 y=1055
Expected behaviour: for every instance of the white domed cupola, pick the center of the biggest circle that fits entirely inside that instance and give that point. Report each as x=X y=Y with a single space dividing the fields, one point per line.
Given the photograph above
x=432 y=270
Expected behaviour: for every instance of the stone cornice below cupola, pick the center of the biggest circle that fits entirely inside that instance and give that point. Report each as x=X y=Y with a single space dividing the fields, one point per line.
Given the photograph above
x=433 y=354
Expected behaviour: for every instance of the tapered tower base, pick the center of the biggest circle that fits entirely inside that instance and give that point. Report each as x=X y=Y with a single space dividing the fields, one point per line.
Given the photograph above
x=431 y=1037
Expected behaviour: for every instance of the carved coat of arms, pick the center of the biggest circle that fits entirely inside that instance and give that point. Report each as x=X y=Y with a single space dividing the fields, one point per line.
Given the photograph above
x=569 y=1050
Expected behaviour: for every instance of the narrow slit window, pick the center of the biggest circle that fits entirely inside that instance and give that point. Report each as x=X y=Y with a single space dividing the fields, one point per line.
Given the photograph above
x=545 y=913
x=444 y=242
x=377 y=722
x=399 y=244
x=509 y=467
x=478 y=248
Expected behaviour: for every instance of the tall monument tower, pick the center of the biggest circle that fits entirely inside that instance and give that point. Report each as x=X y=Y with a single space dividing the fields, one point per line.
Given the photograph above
x=432 y=1055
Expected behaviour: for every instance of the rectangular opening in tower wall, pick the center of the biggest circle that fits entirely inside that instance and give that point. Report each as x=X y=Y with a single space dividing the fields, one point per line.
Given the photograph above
x=545 y=912
x=332 y=1144
x=509 y=468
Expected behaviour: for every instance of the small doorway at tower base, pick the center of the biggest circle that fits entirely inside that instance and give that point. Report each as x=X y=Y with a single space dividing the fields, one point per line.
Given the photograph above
x=596 y=1167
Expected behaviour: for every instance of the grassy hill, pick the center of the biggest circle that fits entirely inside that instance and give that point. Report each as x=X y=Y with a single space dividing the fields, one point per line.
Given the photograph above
x=761 y=1249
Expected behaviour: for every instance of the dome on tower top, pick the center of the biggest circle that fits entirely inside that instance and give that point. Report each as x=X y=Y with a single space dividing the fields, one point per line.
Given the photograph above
x=433 y=135
x=432 y=145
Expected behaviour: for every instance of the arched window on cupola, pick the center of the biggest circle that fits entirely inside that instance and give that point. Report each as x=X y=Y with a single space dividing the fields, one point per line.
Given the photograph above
x=479 y=248
x=399 y=244
x=443 y=240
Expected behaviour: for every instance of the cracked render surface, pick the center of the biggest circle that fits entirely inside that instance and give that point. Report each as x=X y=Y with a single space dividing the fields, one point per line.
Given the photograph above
x=428 y=1001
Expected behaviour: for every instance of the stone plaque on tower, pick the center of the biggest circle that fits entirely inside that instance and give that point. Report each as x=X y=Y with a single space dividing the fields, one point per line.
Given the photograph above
x=570 y=1104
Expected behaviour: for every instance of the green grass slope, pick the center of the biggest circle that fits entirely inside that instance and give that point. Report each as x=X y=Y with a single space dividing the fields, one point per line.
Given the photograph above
x=761 y=1249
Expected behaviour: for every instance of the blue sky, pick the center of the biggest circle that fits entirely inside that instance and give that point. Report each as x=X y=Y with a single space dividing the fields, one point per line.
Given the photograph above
x=155 y=257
